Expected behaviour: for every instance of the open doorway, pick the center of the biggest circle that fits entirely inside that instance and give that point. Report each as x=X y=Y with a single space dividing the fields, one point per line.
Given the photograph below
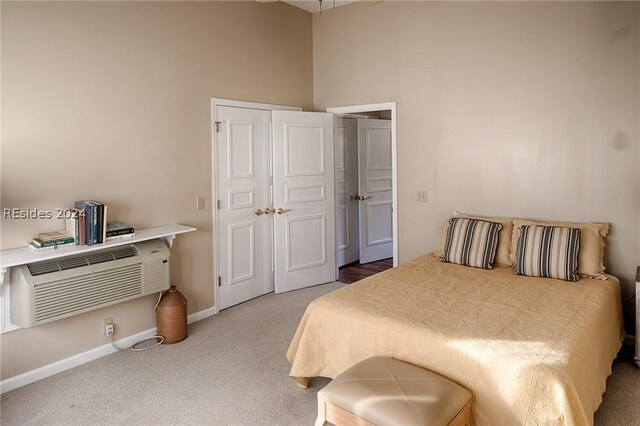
x=366 y=189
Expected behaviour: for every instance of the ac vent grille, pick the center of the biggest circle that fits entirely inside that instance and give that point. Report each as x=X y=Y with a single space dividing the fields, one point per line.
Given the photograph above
x=41 y=268
x=95 y=258
x=124 y=252
x=155 y=277
x=63 y=264
x=72 y=262
x=80 y=294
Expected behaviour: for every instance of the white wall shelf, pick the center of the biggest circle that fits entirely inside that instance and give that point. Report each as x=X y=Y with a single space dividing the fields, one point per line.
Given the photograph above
x=23 y=255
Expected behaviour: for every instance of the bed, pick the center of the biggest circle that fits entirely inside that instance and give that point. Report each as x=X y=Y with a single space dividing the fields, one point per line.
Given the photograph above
x=532 y=350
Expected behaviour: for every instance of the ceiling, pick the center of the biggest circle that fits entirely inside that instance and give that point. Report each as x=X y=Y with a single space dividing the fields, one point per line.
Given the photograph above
x=313 y=6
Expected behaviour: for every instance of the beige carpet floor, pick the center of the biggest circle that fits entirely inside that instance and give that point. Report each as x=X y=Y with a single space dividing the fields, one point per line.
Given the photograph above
x=231 y=370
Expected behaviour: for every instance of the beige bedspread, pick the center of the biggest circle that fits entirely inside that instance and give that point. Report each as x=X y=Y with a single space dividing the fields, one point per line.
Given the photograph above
x=532 y=350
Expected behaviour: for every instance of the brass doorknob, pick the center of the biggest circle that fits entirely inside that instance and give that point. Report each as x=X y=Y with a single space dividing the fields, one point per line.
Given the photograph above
x=364 y=197
x=354 y=197
x=269 y=211
x=281 y=210
x=259 y=212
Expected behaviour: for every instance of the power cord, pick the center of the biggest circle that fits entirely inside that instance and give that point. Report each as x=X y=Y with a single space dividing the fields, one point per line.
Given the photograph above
x=159 y=339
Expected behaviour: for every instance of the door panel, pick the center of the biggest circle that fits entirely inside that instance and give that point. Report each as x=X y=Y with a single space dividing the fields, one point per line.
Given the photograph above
x=244 y=243
x=304 y=232
x=375 y=184
x=377 y=144
x=306 y=241
x=346 y=185
x=241 y=148
x=303 y=150
x=304 y=193
x=242 y=249
x=379 y=222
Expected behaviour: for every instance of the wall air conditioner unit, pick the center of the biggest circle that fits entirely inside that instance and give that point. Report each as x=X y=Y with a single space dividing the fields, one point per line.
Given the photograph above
x=50 y=290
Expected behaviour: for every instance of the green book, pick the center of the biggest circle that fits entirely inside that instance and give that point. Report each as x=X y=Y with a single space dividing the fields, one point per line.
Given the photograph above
x=36 y=248
x=40 y=243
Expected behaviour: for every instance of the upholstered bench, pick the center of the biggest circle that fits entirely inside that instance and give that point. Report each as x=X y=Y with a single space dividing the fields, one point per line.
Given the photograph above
x=383 y=391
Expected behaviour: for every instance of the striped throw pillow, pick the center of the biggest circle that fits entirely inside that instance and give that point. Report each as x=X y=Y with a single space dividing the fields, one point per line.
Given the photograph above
x=548 y=251
x=471 y=242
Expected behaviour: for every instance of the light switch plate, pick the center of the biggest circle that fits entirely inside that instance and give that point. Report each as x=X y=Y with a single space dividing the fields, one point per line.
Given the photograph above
x=200 y=203
x=421 y=196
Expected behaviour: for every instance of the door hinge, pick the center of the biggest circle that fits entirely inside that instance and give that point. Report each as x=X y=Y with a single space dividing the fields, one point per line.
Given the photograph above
x=217 y=124
x=219 y=281
x=219 y=204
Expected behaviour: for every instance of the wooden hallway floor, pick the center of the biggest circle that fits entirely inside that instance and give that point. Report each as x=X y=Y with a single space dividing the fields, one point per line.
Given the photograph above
x=355 y=271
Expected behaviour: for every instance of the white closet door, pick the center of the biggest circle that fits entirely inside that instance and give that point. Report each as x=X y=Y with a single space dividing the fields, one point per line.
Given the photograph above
x=244 y=241
x=346 y=153
x=303 y=169
x=375 y=186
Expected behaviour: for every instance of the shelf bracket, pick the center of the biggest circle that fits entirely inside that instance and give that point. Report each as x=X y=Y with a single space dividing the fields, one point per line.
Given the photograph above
x=168 y=240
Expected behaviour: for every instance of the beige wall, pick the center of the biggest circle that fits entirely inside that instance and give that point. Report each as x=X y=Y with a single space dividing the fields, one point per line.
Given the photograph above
x=522 y=109
x=111 y=101
x=517 y=109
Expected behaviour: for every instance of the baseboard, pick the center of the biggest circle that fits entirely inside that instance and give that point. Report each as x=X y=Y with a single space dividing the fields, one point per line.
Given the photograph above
x=197 y=316
x=92 y=354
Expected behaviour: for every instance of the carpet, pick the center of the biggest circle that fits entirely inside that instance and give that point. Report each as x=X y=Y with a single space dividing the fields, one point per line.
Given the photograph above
x=231 y=370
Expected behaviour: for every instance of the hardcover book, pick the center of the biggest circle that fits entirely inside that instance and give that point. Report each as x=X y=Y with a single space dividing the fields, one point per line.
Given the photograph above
x=36 y=248
x=96 y=236
x=121 y=237
x=54 y=235
x=40 y=243
x=118 y=228
x=88 y=220
x=73 y=225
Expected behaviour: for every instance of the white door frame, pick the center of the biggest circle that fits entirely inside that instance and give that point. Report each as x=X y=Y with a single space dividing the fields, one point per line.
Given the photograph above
x=383 y=106
x=215 y=103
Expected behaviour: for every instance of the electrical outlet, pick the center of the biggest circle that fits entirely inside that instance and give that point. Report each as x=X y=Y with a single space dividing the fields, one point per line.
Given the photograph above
x=200 y=203
x=421 y=196
x=106 y=322
x=109 y=329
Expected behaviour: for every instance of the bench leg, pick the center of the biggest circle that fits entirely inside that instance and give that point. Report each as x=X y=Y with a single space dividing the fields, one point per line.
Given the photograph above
x=322 y=413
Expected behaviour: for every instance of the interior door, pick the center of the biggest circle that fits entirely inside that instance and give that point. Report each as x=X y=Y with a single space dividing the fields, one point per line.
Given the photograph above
x=346 y=153
x=244 y=189
x=303 y=177
x=375 y=189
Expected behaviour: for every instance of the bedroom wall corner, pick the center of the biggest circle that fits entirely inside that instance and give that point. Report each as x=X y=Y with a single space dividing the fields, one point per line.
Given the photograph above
x=112 y=101
x=522 y=109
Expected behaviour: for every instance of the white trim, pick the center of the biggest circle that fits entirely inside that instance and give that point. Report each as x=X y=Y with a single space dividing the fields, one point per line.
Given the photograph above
x=197 y=316
x=251 y=105
x=215 y=103
x=23 y=255
x=92 y=354
x=73 y=361
x=10 y=327
x=383 y=106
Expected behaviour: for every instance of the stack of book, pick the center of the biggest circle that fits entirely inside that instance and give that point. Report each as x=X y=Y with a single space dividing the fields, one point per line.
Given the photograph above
x=52 y=240
x=119 y=230
x=95 y=221
x=85 y=224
